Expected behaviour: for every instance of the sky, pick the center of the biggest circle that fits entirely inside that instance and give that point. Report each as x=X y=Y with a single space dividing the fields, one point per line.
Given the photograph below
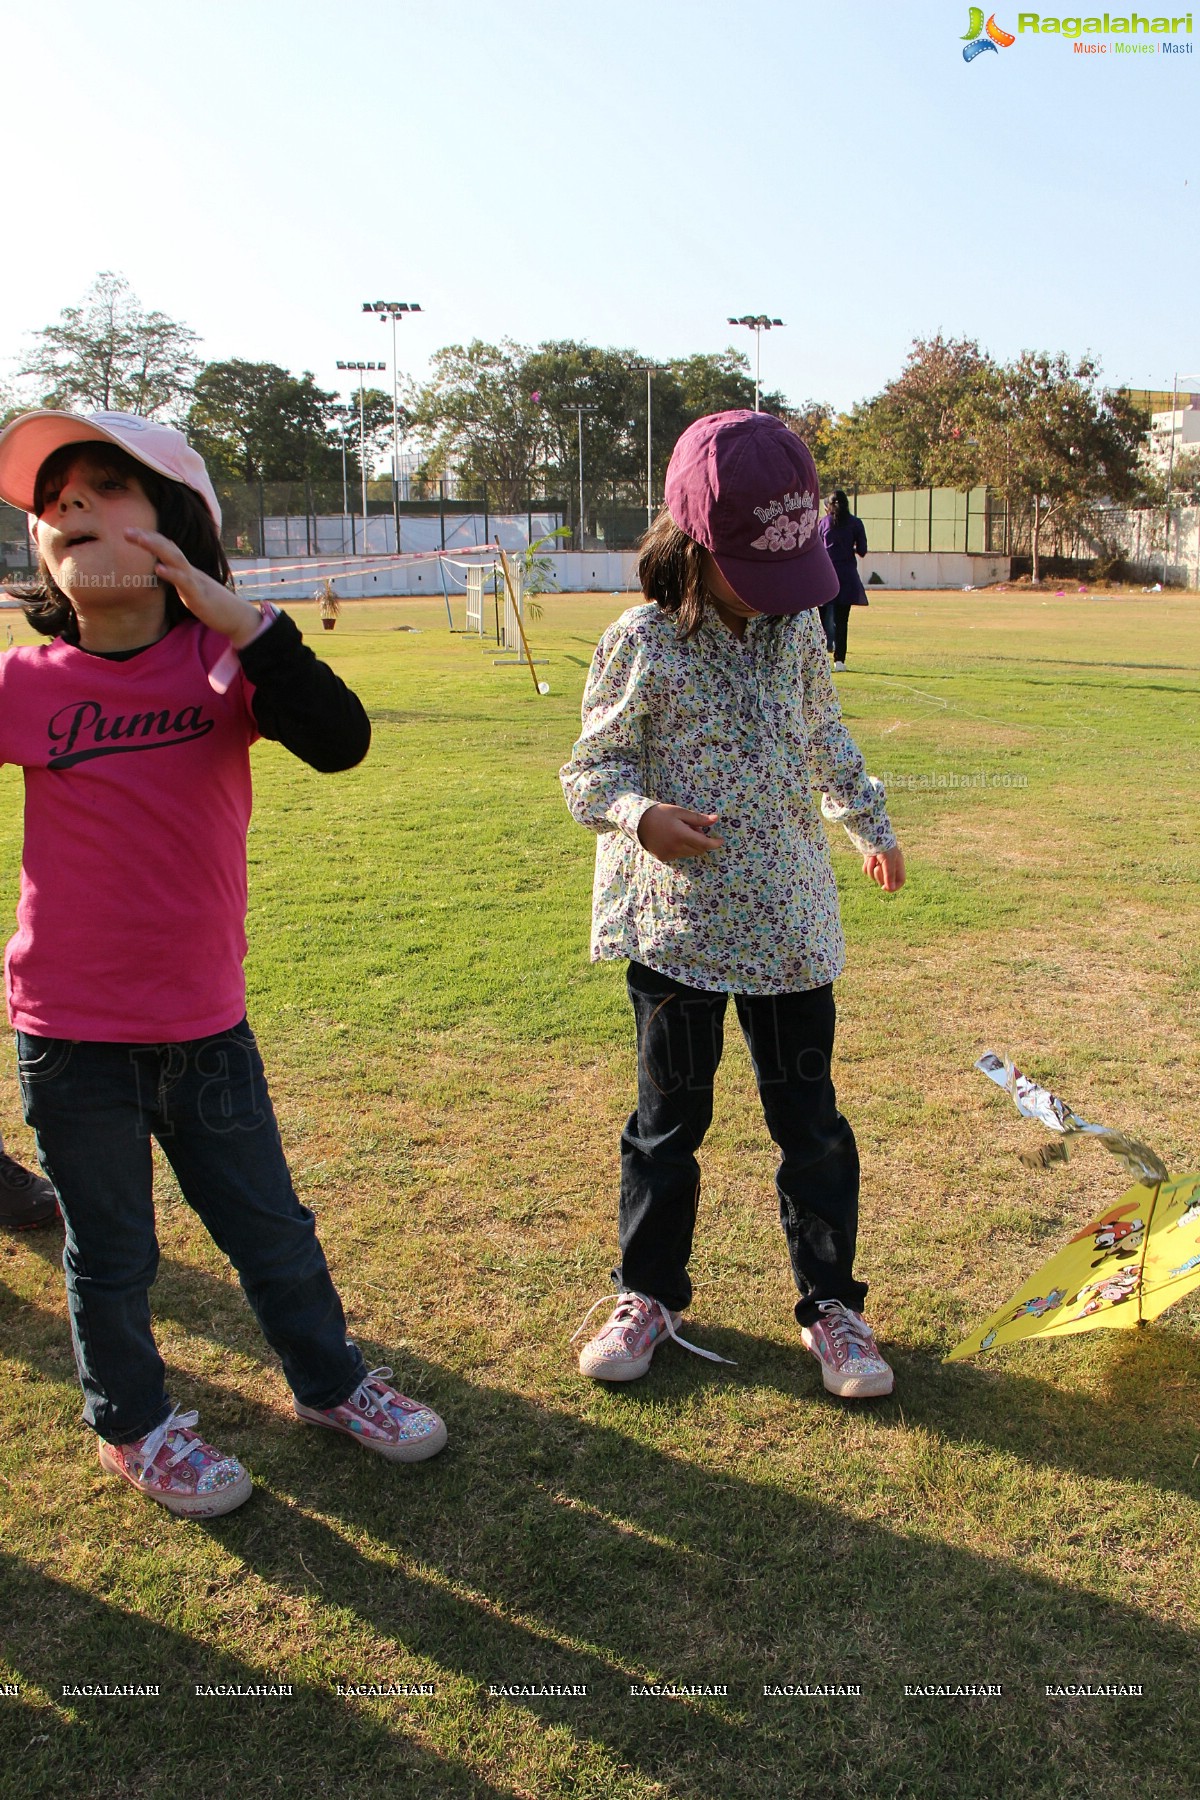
x=628 y=173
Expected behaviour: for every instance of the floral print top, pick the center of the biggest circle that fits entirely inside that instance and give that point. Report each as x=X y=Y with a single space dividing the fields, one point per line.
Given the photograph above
x=746 y=728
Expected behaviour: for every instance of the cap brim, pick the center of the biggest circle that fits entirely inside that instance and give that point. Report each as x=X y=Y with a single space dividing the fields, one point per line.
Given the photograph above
x=794 y=584
x=29 y=440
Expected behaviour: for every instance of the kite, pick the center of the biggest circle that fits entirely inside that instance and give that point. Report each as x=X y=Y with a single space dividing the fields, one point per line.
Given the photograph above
x=1125 y=1267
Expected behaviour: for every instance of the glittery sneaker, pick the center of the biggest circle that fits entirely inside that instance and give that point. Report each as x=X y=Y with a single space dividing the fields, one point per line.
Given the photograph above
x=844 y=1345
x=173 y=1465
x=624 y=1346
x=26 y=1200
x=380 y=1418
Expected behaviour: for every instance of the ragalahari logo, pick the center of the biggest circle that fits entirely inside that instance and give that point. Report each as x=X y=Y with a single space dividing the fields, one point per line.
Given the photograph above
x=981 y=37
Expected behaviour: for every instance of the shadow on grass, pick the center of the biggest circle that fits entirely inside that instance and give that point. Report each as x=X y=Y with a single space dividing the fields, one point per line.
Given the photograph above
x=56 y=1635
x=1139 y=1432
x=546 y=1547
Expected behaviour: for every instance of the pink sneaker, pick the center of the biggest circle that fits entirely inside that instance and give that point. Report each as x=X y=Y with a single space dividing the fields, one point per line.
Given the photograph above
x=844 y=1345
x=382 y=1419
x=173 y=1465
x=624 y=1346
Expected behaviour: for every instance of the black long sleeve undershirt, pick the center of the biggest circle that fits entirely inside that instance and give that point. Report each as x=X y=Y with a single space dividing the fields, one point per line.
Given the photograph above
x=301 y=703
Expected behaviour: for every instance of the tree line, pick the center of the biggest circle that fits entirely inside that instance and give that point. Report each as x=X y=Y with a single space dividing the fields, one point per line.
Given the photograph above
x=1040 y=430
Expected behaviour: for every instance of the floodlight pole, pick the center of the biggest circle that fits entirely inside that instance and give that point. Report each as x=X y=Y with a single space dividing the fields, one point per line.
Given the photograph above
x=1170 y=477
x=395 y=310
x=650 y=369
x=362 y=430
x=758 y=323
x=362 y=452
x=579 y=411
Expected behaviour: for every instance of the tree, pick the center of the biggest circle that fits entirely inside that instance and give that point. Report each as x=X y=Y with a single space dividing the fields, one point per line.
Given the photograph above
x=258 y=422
x=110 y=355
x=377 y=423
x=1185 y=478
x=507 y=414
x=814 y=423
x=478 y=413
x=10 y=406
x=1055 y=442
x=920 y=430
x=719 y=381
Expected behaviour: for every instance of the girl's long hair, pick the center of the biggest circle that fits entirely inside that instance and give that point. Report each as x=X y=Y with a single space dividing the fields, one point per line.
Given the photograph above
x=839 y=506
x=181 y=514
x=671 y=572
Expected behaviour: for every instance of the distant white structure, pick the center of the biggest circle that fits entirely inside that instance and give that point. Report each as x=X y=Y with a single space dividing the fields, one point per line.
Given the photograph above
x=1181 y=427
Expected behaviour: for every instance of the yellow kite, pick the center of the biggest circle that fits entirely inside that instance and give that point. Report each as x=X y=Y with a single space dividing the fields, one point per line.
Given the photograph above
x=1124 y=1268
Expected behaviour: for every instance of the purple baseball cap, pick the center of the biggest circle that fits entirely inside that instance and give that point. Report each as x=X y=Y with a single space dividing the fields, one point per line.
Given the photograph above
x=744 y=487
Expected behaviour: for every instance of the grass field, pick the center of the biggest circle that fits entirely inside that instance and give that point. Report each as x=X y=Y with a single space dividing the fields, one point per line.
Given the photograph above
x=451 y=1076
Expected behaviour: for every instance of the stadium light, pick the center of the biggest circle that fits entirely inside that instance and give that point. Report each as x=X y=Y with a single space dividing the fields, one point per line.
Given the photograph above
x=362 y=429
x=649 y=370
x=394 y=310
x=758 y=323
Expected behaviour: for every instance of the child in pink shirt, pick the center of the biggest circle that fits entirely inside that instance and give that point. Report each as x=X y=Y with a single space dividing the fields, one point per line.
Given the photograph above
x=124 y=979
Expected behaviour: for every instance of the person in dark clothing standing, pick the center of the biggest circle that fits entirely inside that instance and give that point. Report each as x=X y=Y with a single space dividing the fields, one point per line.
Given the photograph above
x=843 y=536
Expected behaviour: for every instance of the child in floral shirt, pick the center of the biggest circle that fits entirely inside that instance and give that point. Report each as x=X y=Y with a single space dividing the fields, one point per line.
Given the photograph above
x=709 y=719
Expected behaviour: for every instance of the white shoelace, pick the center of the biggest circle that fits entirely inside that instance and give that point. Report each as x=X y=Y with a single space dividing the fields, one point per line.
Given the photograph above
x=153 y=1442
x=845 y=1325
x=623 y=1299
x=383 y=1374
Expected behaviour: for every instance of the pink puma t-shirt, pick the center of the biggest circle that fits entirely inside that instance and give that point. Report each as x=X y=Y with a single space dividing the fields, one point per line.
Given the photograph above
x=131 y=925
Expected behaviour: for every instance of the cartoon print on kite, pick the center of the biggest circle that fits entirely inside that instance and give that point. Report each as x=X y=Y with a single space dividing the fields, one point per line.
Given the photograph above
x=1113 y=1235
x=1038 y=1307
x=1121 y=1239
x=1114 y=1290
x=1188 y=1216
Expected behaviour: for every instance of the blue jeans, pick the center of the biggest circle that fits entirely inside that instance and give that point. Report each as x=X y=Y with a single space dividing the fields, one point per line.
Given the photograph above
x=94 y=1109
x=680 y=1035
x=835 y=617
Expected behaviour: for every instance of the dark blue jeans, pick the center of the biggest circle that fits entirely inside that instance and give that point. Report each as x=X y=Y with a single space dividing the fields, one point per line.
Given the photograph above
x=680 y=1034
x=835 y=617
x=94 y=1109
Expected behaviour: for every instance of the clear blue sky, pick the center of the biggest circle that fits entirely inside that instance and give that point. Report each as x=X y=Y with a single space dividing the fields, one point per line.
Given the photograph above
x=627 y=172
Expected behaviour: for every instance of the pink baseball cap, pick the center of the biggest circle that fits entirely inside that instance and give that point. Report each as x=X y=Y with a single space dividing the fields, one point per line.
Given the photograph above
x=744 y=487
x=29 y=440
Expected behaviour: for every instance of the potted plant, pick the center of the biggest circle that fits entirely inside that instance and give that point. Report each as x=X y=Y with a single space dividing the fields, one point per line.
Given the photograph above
x=328 y=605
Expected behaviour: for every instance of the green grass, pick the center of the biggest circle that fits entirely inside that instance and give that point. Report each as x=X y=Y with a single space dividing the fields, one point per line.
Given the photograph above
x=451 y=1076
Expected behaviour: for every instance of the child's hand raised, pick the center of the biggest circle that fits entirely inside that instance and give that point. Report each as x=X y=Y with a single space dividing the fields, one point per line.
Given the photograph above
x=214 y=605
x=672 y=832
x=886 y=867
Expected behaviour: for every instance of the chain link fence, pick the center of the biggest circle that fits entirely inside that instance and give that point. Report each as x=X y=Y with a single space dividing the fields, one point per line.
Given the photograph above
x=284 y=520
